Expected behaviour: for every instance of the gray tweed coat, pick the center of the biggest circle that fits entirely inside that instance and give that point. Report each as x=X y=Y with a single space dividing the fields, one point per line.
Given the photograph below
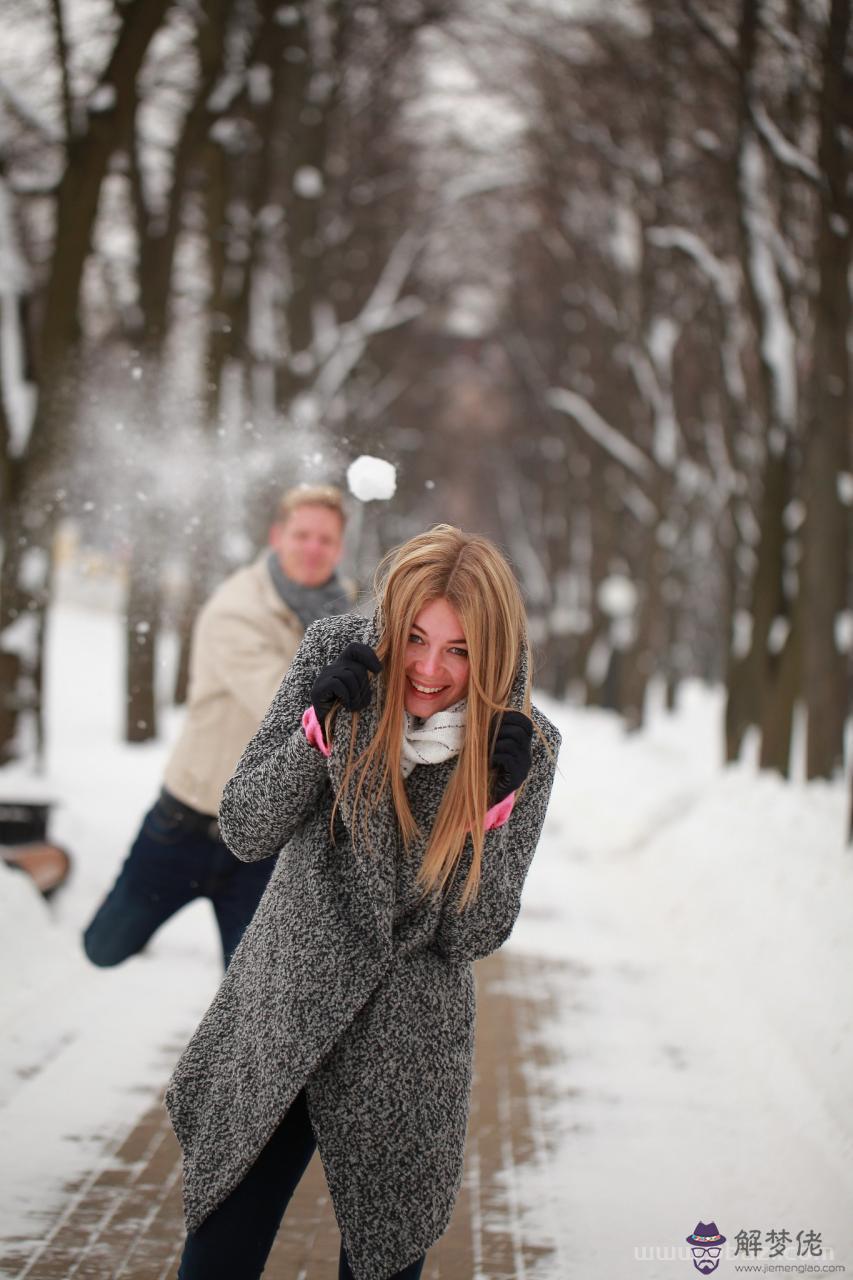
x=347 y=983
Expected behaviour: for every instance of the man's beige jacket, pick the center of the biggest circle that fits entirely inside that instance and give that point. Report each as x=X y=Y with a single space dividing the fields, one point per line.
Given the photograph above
x=243 y=642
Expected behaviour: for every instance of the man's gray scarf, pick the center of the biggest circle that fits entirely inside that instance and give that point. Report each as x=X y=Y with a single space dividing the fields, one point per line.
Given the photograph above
x=308 y=603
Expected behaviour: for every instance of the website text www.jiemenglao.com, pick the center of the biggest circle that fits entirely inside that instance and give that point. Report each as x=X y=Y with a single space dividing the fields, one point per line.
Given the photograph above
x=733 y=1260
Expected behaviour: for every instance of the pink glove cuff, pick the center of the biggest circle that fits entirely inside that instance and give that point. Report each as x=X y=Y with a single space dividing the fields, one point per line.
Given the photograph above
x=314 y=731
x=495 y=817
x=498 y=814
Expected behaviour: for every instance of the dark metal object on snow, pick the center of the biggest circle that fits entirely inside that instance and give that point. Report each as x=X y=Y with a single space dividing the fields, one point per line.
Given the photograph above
x=21 y=821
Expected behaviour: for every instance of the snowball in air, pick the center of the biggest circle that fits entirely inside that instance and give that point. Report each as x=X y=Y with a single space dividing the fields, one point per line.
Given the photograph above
x=371 y=478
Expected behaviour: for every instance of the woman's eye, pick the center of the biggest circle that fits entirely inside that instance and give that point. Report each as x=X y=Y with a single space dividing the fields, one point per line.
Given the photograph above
x=413 y=639
x=460 y=653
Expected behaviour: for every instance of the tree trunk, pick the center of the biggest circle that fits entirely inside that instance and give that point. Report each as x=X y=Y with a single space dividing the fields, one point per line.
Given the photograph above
x=781 y=690
x=142 y=624
x=156 y=259
x=828 y=525
x=305 y=133
x=770 y=606
x=32 y=513
x=186 y=621
x=751 y=691
x=741 y=694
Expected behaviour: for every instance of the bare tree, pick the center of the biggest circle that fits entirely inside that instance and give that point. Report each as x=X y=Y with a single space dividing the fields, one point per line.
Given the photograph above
x=827 y=535
x=93 y=135
x=158 y=224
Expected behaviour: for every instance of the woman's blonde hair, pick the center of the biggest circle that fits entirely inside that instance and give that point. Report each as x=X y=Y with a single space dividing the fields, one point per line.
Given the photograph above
x=473 y=576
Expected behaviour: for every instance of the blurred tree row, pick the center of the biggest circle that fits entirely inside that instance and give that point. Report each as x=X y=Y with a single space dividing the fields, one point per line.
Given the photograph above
x=208 y=215
x=583 y=278
x=675 y=331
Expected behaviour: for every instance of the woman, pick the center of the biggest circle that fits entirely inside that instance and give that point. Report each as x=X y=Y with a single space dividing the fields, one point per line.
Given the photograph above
x=404 y=775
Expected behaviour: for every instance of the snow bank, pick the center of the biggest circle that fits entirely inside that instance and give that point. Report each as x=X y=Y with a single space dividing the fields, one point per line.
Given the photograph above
x=697 y=924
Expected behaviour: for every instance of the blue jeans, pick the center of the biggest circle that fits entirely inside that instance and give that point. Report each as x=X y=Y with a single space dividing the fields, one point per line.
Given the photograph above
x=174 y=859
x=235 y=1240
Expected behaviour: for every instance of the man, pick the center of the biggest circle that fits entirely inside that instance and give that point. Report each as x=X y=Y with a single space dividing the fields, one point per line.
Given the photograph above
x=244 y=640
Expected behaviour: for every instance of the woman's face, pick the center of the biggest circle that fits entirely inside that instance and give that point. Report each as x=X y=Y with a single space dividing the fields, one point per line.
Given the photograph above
x=436 y=660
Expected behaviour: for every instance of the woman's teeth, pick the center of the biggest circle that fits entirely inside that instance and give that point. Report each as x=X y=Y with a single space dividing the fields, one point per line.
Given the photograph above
x=422 y=688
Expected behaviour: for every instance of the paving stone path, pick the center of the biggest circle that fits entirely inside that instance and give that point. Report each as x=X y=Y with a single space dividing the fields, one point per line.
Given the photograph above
x=123 y=1220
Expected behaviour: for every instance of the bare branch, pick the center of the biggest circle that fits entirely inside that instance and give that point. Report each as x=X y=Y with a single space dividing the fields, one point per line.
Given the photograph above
x=383 y=310
x=62 y=58
x=725 y=281
x=787 y=155
x=723 y=276
x=723 y=40
x=26 y=116
x=589 y=420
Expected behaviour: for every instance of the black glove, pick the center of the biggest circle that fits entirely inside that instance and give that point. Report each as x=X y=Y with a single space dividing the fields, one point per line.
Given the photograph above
x=512 y=754
x=345 y=681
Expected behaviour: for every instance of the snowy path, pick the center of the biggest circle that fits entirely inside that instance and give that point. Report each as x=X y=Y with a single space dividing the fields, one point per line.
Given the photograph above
x=85 y=1050
x=695 y=1050
x=703 y=1038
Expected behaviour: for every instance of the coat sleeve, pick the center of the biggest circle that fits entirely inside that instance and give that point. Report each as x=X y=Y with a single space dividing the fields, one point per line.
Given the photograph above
x=246 y=661
x=280 y=776
x=508 y=851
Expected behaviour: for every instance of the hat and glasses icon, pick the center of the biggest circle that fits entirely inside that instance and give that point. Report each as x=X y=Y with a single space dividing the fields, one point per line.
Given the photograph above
x=706 y=1245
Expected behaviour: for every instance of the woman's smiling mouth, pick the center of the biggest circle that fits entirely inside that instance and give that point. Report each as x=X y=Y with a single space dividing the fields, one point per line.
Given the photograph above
x=426 y=691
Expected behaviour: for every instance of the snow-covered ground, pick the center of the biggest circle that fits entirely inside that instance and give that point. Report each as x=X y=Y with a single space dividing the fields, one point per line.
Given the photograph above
x=703 y=1045
x=84 y=1051
x=698 y=925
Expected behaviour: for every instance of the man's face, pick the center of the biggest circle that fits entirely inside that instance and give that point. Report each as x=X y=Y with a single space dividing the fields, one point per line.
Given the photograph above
x=309 y=544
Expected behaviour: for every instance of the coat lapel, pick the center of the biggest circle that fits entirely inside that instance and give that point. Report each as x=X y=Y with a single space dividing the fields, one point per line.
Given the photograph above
x=519 y=684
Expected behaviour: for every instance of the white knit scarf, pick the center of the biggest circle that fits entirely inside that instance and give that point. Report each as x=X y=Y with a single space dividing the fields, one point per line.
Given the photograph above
x=435 y=739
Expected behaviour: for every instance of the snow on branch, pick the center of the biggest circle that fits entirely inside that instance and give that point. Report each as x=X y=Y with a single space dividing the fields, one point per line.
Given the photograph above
x=24 y=113
x=577 y=407
x=787 y=262
x=652 y=371
x=722 y=38
x=722 y=276
x=725 y=41
x=641 y=507
x=383 y=310
x=477 y=184
x=597 y=135
x=778 y=344
x=391 y=280
x=789 y=156
x=725 y=279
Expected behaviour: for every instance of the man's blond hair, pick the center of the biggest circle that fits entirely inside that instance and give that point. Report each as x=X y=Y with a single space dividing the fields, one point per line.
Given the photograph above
x=310 y=495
